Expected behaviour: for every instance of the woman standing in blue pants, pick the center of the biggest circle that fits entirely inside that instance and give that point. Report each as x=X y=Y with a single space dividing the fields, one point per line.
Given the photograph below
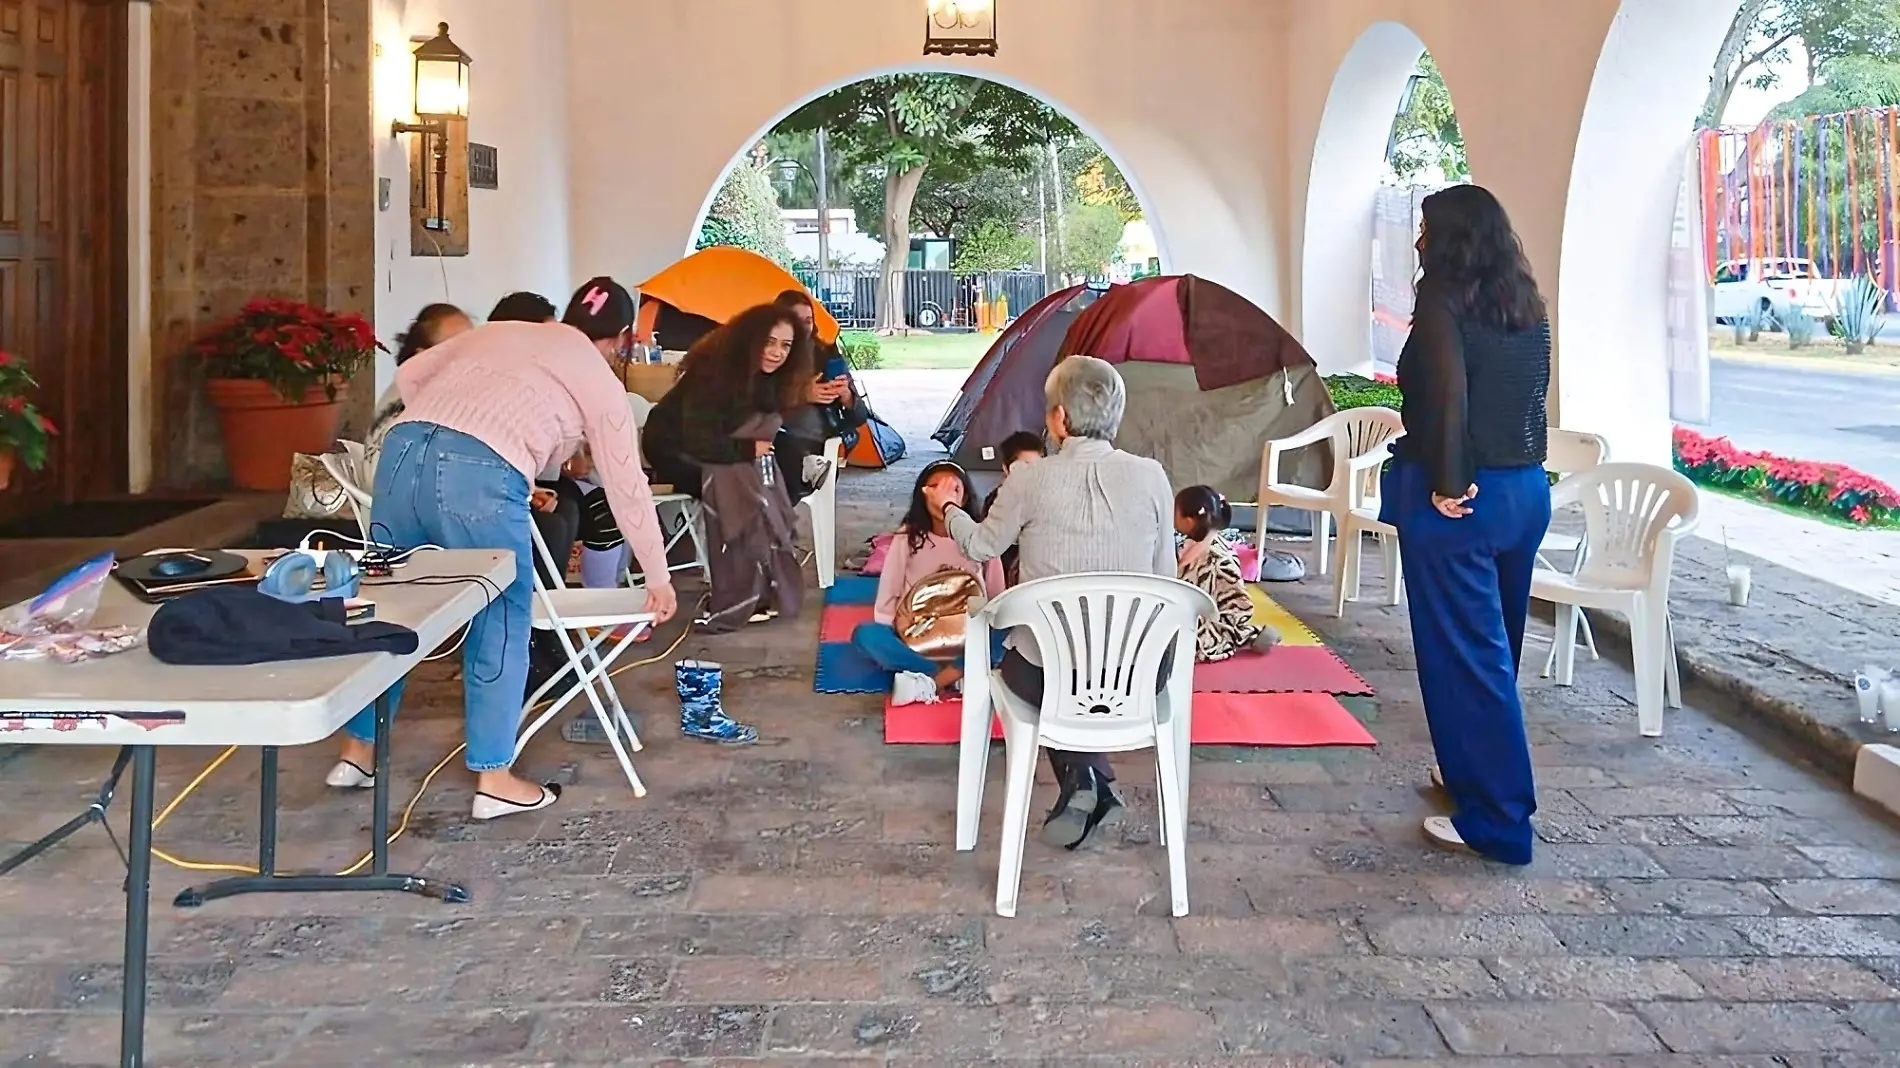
x=1468 y=494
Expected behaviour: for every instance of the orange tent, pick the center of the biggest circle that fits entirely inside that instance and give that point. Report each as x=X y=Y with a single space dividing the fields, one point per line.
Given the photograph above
x=713 y=285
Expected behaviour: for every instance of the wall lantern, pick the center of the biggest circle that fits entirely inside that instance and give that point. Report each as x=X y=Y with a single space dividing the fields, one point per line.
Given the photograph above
x=960 y=28
x=441 y=94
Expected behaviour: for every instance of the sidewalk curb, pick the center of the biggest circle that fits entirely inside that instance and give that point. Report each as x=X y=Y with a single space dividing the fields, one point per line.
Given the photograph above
x=1830 y=748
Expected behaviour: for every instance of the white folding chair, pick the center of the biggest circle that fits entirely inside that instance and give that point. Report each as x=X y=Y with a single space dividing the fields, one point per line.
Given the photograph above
x=1356 y=522
x=586 y=622
x=1633 y=515
x=1101 y=638
x=823 y=505
x=1354 y=434
x=1568 y=452
x=350 y=468
x=686 y=522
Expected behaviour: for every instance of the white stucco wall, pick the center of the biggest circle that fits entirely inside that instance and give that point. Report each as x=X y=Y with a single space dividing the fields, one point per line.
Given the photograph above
x=519 y=233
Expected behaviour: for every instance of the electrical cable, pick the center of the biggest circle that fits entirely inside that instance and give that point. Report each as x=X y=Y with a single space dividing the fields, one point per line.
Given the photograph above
x=402 y=825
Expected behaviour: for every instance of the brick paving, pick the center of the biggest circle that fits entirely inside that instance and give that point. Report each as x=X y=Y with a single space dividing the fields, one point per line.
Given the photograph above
x=1696 y=900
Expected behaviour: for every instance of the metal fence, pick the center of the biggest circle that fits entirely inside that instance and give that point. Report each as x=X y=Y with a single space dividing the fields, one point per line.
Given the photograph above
x=933 y=300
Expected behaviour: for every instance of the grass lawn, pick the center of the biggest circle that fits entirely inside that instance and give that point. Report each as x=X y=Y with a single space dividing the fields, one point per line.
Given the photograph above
x=1825 y=353
x=933 y=352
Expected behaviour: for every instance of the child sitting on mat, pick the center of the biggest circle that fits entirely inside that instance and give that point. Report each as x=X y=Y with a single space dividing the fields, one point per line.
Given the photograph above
x=1207 y=561
x=1024 y=446
x=920 y=553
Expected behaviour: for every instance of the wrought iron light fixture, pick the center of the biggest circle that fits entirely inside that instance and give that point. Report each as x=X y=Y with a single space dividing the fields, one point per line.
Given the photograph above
x=441 y=94
x=960 y=28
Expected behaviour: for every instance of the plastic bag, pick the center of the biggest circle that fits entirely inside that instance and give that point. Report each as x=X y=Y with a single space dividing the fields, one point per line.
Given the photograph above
x=57 y=623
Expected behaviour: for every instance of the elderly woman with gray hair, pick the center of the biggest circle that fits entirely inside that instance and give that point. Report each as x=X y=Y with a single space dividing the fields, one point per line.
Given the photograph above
x=1088 y=507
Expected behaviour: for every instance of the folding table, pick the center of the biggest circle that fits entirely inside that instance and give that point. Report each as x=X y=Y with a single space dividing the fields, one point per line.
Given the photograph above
x=133 y=701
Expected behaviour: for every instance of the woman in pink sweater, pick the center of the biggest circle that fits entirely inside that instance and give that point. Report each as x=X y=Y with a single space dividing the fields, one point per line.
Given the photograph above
x=483 y=413
x=921 y=548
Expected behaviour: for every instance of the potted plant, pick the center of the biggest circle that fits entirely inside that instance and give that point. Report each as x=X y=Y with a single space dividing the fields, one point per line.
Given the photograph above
x=24 y=431
x=277 y=373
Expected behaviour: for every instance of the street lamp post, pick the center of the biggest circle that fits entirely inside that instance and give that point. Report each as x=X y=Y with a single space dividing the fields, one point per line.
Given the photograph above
x=789 y=168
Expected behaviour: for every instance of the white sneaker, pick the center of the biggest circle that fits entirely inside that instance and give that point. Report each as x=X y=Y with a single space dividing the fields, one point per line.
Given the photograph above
x=911 y=688
x=348 y=776
x=815 y=470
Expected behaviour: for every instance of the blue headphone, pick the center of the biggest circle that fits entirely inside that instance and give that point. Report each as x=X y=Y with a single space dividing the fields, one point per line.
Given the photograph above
x=293 y=577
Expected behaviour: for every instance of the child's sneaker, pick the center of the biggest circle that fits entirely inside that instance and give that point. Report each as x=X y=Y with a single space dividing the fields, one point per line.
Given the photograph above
x=815 y=470
x=911 y=688
x=1266 y=640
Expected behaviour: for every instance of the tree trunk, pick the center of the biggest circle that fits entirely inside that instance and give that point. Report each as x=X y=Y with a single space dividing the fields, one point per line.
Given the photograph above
x=1726 y=71
x=900 y=191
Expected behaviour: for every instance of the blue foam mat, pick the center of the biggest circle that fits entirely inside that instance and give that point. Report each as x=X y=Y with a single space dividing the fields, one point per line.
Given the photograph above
x=852 y=589
x=842 y=669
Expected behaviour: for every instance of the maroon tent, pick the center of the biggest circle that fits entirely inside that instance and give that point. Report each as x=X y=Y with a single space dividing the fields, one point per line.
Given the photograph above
x=1211 y=378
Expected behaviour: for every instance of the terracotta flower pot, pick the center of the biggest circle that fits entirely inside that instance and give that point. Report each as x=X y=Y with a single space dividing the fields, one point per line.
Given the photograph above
x=262 y=429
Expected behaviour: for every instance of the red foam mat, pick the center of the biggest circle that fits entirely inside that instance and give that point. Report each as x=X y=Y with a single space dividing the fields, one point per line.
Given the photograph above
x=1286 y=669
x=839 y=620
x=1282 y=720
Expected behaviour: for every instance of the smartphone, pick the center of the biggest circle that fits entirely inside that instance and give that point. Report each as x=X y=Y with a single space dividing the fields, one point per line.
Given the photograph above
x=836 y=368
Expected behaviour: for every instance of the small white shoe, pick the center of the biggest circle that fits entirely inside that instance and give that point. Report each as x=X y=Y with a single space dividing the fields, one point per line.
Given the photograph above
x=815 y=470
x=490 y=807
x=349 y=776
x=912 y=688
x=1441 y=833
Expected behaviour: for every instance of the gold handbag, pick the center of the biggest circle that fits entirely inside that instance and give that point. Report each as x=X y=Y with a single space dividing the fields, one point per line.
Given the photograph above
x=933 y=613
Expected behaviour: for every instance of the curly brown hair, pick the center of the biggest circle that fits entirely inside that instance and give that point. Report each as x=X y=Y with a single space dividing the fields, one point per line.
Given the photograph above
x=730 y=355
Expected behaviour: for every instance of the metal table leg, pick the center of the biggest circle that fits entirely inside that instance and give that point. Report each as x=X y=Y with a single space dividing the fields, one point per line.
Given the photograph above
x=378 y=879
x=138 y=907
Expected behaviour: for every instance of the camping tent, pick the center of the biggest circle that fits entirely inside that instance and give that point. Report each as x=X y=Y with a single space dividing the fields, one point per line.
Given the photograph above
x=686 y=300
x=1211 y=378
x=988 y=410
x=681 y=304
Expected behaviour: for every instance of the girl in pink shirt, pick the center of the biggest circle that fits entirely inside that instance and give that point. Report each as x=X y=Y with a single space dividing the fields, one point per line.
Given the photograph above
x=921 y=547
x=482 y=414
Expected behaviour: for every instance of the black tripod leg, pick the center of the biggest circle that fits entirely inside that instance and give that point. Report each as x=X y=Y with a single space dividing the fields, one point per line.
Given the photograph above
x=95 y=813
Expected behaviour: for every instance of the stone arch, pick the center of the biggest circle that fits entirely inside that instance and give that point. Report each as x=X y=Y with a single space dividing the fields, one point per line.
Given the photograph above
x=1148 y=207
x=1637 y=126
x=1347 y=165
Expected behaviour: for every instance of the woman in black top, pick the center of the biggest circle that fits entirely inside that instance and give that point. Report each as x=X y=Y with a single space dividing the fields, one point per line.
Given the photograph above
x=1471 y=502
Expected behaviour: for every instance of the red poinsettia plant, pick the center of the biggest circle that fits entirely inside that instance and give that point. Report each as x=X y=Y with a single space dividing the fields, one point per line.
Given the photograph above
x=296 y=347
x=25 y=431
x=1830 y=489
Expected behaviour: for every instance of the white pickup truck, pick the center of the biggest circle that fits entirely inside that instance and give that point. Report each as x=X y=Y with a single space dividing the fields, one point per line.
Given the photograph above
x=1743 y=287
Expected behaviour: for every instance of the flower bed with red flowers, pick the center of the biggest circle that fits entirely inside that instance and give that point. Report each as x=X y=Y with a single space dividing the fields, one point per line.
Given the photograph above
x=25 y=431
x=293 y=346
x=1830 y=489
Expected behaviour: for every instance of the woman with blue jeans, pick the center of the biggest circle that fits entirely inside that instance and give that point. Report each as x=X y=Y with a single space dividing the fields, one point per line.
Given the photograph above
x=482 y=413
x=1468 y=494
x=920 y=548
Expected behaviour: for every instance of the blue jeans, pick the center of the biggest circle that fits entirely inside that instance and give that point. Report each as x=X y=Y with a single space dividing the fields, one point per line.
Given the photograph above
x=442 y=487
x=1468 y=586
x=879 y=642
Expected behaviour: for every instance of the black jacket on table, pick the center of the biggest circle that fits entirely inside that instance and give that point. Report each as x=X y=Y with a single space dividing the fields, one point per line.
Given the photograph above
x=1473 y=393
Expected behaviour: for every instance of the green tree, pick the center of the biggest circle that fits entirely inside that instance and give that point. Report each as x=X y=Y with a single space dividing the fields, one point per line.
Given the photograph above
x=994 y=246
x=1091 y=235
x=745 y=214
x=1764 y=33
x=1425 y=135
x=897 y=127
x=954 y=201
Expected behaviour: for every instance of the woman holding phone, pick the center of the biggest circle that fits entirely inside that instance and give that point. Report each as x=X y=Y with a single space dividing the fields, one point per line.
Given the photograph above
x=834 y=408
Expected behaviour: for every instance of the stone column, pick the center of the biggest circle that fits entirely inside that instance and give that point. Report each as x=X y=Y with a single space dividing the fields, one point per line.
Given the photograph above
x=262 y=185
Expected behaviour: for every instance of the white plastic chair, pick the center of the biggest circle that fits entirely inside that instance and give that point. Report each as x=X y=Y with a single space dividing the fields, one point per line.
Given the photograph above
x=1633 y=514
x=350 y=469
x=585 y=622
x=1568 y=452
x=688 y=521
x=1101 y=638
x=1360 y=519
x=823 y=505
x=1354 y=433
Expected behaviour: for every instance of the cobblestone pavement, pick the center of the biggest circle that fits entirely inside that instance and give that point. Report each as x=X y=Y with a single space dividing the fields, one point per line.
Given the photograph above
x=1696 y=900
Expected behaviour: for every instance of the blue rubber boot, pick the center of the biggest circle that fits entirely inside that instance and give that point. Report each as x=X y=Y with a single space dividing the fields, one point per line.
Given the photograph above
x=701 y=715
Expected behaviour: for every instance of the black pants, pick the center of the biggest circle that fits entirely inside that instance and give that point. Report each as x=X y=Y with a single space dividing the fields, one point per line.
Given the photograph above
x=1024 y=679
x=559 y=528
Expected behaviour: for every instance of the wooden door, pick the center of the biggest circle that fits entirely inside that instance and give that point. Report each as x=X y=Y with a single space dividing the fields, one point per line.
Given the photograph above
x=62 y=236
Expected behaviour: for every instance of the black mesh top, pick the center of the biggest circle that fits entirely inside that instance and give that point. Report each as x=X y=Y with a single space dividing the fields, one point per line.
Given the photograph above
x=1473 y=394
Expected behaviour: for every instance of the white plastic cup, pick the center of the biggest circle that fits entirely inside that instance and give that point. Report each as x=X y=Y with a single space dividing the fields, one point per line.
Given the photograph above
x=1867 y=684
x=1739 y=581
x=1890 y=704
